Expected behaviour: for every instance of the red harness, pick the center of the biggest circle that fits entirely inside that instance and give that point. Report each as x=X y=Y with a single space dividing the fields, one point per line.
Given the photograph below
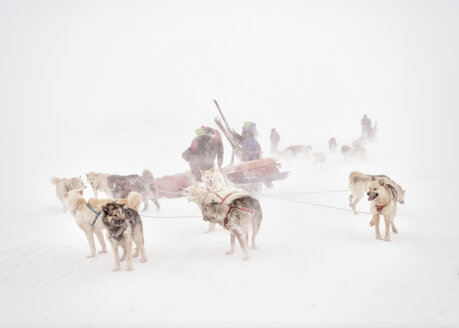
x=231 y=207
x=379 y=207
x=225 y=222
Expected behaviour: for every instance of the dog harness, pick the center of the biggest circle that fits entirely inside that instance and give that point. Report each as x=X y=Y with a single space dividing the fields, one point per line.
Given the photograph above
x=95 y=212
x=379 y=207
x=231 y=208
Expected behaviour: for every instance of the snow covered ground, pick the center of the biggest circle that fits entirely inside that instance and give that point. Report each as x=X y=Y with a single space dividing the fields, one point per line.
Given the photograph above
x=119 y=87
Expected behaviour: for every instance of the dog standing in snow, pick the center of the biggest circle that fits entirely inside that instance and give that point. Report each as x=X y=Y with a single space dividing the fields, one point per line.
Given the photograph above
x=358 y=184
x=236 y=216
x=99 y=182
x=124 y=226
x=214 y=179
x=383 y=196
x=320 y=160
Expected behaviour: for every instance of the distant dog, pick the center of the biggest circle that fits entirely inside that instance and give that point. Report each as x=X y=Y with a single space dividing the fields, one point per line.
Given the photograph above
x=358 y=184
x=99 y=182
x=65 y=185
x=332 y=144
x=294 y=151
x=85 y=219
x=383 y=196
x=133 y=200
x=123 y=227
x=320 y=160
x=236 y=217
x=122 y=185
x=214 y=179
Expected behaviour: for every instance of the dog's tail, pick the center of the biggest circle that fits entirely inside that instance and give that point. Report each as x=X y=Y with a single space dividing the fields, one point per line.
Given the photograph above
x=55 y=180
x=356 y=176
x=134 y=199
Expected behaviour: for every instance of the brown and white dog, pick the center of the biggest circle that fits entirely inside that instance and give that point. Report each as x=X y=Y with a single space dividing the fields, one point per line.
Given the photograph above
x=87 y=217
x=358 y=184
x=124 y=226
x=236 y=216
x=383 y=196
x=65 y=185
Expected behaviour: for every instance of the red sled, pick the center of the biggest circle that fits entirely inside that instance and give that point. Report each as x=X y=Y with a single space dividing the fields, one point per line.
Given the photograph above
x=258 y=171
x=169 y=186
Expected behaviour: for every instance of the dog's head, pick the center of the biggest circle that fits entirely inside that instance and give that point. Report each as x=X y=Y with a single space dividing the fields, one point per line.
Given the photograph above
x=382 y=188
x=91 y=177
x=208 y=177
x=114 y=214
x=210 y=211
x=194 y=193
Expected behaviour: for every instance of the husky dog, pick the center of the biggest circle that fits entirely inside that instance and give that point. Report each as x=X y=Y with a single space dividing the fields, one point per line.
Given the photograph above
x=133 y=200
x=294 y=151
x=332 y=145
x=383 y=196
x=85 y=219
x=202 y=196
x=236 y=218
x=123 y=227
x=122 y=185
x=99 y=182
x=65 y=185
x=358 y=183
x=214 y=179
x=320 y=159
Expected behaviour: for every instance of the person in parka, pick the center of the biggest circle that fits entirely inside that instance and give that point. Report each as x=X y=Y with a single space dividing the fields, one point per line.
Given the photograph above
x=250 y=147
x=205 y=147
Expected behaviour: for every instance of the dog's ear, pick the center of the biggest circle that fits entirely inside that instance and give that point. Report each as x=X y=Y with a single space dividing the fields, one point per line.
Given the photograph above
x=381 y=182
x=104 y=209
x=123 y=205
x=373 y=178
x=393 y=190
x=81 y=192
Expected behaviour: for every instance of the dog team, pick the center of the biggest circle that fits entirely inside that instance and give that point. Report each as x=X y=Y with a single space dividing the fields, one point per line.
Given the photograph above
x=234 y=209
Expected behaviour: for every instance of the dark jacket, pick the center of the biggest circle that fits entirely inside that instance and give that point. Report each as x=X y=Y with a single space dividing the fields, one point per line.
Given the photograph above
x=204 y=149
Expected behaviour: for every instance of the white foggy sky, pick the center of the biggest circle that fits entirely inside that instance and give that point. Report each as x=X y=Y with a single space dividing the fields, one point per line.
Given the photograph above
x=309 y=68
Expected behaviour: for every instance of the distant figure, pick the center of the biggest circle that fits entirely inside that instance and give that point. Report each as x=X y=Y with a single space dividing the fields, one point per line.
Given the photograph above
x=250 y=147
x=205 y=147
x=366 y=126
x=275 y=138
x=332 y=144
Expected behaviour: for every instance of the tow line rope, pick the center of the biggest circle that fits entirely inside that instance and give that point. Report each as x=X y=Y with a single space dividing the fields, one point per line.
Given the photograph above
x=171 y=217
x=306 y=192
x=314 y=204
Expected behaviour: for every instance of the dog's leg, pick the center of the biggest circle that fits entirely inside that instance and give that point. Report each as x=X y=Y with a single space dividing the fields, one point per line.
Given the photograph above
x=350 y=200
x=233 y=239
x=100 y=237
x=158 y=207
x=124 y=253
x=394 y=229
x=116 y=255
x=92 y=246
x=128 y=246
x=95 y=192
x=211 y=227
x=255 y=228
x=140 y=246
x=376 y=223
x=145 y=202
x=357 y=199
x=387 y=221
x=240 y=237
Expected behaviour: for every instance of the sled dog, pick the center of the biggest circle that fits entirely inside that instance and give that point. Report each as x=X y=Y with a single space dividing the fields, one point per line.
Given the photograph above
x=124 y=226
x=383 y=196
x=66 y=184
x=214 y=179
x=358 y=184
x=320 y=160
x=122 y=185
x=236 y=217
x=85 y=219
x=99 y=182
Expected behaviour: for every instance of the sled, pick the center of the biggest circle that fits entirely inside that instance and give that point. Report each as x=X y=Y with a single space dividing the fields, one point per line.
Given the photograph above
x=169 y=186
x=265 y=170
